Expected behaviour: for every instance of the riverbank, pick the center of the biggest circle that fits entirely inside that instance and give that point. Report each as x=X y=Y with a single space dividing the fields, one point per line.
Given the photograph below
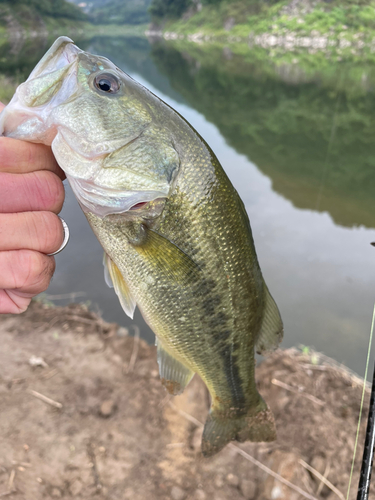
x=340 y=31
x=84 y=413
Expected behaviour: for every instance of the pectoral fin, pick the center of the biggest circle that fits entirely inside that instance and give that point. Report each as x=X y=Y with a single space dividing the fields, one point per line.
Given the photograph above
x=271 y=332
x=107 y=276
x=174 y=375
x=169 y=260
x=114 y=279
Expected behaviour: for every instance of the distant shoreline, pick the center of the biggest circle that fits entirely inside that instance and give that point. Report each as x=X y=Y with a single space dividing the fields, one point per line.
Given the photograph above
x=334 y=47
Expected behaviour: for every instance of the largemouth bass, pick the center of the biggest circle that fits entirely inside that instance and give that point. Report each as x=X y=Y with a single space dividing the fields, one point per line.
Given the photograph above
x=176 y=235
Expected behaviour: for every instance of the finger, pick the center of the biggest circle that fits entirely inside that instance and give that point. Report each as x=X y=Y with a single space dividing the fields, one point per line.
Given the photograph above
x=25 y=272
x=40 y=231
x=13 y=303
x=20 y=157
x=33 y=191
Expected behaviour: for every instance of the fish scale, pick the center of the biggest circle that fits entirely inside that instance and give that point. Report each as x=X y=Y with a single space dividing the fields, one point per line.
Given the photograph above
x=176 y=235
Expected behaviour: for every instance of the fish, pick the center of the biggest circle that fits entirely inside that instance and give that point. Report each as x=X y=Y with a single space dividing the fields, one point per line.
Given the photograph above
x=176 y=236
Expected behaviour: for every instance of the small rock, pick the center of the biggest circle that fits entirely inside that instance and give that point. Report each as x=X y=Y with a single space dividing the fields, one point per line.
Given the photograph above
x=177 y=493
x=219 y=481
x=36 y=361
x=122 y=332
x=248 y=489
x=233 y=480
x=200 y=495
x=276 y=493
x=76 y=488
x=117 y=359
x=56 y=493
x=107 y=408
x=154 y=373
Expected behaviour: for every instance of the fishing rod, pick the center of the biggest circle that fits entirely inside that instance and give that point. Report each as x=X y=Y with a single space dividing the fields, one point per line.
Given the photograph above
x=368 y=452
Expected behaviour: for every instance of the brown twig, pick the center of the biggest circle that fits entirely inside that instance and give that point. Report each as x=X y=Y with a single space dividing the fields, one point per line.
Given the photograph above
x=7 y=493
x=326 y=473
x=322 y=478
x=72 y=317
x=134 y=355
x=49 y=374
x=321 y=368
x=71 y=295
x=11 y=479
x=296 y=391
x=45 y=399
x=92 y=457
x=248 y=457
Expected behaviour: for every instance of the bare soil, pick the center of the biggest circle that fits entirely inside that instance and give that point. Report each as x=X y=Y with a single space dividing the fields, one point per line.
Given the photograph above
x=109 y=430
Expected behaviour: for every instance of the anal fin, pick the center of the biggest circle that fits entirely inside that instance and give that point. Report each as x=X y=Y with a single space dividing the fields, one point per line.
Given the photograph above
x=113 y=277
x=174 y=375
x=271 y=331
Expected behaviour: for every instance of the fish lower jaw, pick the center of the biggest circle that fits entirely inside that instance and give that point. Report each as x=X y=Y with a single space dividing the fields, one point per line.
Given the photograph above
x=102 y=201
x=17 y=122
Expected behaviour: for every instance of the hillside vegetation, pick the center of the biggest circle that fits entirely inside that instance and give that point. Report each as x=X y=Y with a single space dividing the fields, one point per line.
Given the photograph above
x=241 y=18
x=19 y=18
x=54 y=8
x=120 y=12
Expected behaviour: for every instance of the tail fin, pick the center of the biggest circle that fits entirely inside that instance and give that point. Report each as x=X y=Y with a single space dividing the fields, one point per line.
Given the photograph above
x=219 y=431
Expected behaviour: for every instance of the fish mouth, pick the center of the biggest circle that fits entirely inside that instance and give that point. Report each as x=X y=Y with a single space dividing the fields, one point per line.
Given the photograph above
x=102 y=201
x=62 y=53
x=53 y=77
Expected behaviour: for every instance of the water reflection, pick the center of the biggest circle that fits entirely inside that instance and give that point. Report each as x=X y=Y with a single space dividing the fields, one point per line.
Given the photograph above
x=311 y=134
x=299 y=149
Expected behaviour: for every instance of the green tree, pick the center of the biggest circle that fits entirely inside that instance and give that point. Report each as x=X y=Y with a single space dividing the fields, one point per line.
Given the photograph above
x=120 y=12
x=168 y=8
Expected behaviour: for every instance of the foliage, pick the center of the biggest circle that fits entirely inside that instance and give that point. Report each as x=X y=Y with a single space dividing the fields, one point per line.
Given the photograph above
x=120 y=12
x=168 y=8
x=55 y=8
x=338 y=19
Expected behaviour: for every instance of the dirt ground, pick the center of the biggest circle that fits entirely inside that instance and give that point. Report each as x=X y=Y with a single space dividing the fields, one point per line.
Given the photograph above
x=108 y=429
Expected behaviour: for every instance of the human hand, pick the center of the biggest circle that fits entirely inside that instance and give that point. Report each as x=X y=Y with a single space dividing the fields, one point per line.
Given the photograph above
x=31 y=194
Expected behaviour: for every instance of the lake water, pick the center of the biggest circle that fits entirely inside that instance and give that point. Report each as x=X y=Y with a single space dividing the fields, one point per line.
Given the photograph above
x=299 y=147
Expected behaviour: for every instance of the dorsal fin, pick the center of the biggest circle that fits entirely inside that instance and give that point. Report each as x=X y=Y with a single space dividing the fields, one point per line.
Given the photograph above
x=271 y=331
x=113 y=277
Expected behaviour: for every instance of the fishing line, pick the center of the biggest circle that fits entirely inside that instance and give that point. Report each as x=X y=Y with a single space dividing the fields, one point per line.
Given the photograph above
x=369 y=448
x=362 y=402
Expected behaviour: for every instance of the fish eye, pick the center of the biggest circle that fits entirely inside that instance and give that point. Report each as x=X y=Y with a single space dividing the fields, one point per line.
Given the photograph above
x=108 y=83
